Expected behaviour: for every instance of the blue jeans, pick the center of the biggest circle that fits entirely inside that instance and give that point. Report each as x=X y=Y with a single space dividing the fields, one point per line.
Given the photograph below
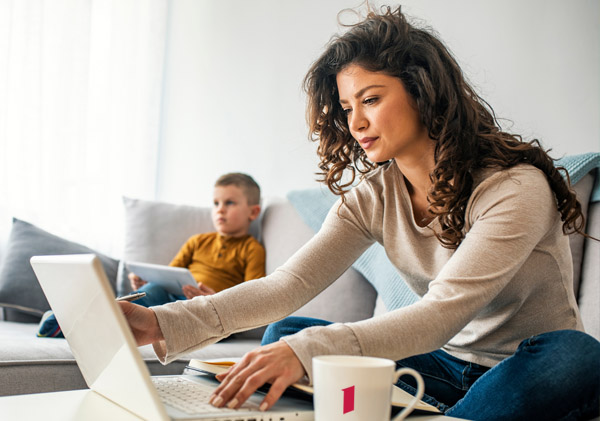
x=552 y=376
x=156 y=296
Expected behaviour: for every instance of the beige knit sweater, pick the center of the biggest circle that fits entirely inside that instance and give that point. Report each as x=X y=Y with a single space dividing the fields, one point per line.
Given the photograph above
x=510 y=278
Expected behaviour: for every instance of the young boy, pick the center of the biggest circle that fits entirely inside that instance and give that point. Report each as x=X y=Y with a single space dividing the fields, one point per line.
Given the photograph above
x=221 y=259
x=217 y=260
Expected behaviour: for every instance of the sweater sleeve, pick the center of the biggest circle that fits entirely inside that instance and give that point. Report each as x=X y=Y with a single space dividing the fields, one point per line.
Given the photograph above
x=508 y=216
x=192 y=324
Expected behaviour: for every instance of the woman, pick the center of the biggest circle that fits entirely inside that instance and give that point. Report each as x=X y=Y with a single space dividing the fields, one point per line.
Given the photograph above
x=472 y=217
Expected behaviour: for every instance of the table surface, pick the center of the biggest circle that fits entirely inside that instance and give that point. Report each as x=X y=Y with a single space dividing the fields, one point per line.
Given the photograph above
x=86 y=405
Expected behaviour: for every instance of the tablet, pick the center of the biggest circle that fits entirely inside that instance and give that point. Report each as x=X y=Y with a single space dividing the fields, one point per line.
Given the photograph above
x=169 y=277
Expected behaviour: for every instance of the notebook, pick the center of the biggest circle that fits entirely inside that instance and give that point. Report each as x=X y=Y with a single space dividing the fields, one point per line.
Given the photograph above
x=170 y=278
x=81 y=297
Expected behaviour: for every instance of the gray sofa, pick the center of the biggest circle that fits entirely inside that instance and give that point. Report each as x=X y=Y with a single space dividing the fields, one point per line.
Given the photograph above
x=154 y=231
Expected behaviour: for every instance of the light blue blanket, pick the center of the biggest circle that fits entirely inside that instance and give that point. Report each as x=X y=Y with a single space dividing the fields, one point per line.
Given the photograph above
x=580 y=165
x=314 y=204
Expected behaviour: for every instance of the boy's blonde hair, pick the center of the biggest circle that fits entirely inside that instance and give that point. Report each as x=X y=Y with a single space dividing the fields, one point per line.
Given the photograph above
x=243 y=181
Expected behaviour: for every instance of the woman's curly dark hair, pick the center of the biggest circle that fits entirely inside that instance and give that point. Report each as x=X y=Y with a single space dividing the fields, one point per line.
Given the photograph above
x=463 y=126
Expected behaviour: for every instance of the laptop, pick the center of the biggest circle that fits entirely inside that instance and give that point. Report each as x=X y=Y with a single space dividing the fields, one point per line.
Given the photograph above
x=170 y=278
x=103 y=346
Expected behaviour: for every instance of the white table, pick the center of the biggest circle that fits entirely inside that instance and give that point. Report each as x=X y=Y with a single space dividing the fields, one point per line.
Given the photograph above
x=84 y=405
x=70 y=405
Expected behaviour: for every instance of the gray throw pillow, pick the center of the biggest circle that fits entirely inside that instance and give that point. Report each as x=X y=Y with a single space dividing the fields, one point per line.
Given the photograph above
x=19 y=287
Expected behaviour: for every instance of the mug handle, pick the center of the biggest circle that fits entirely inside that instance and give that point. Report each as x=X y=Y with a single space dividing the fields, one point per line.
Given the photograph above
x=420 y=391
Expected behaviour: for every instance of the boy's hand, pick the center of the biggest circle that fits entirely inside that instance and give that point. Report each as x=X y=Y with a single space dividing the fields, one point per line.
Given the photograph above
x=136 y=281
x=190 y=291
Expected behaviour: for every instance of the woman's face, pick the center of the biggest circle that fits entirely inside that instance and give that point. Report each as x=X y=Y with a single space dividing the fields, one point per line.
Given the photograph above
x=382 y=116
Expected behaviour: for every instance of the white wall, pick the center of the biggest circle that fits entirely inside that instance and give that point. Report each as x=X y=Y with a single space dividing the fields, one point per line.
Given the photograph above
x=233 y=99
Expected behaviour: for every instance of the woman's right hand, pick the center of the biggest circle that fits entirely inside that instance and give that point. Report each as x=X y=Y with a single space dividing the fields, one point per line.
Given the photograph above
x=275 y=363
x=135 y=281
x=142 y=322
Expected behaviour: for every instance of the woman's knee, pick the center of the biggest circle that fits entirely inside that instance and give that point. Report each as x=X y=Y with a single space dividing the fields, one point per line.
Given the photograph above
x=562 y=360
x=581 y=355
x=550 y=376
x=564 y=342
x=565 y=351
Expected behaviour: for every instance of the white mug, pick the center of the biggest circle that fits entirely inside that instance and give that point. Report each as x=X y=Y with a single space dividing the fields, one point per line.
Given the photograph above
x=354 y=388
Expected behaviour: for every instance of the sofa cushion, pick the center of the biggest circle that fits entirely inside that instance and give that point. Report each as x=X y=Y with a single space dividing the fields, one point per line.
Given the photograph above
x=19 y=287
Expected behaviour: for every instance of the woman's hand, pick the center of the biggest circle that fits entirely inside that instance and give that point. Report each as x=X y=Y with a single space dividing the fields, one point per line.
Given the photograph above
x=135 y=281
x=275 y=363
x=190 y=291
x=142 y=322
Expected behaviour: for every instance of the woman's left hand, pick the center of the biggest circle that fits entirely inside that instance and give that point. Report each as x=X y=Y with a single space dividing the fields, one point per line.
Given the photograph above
x=275 y=363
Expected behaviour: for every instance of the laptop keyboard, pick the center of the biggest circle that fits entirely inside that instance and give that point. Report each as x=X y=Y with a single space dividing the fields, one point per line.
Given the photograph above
x=190 y=397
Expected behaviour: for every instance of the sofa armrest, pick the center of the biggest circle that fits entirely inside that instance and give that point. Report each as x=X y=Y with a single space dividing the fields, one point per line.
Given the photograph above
x=589 y=289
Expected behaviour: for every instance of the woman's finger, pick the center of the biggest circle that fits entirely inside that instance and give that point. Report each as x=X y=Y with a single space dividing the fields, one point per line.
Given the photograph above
x=279 y=383
x=248 y=387
x=275 y=392
x=236 y=390
x=227 y=377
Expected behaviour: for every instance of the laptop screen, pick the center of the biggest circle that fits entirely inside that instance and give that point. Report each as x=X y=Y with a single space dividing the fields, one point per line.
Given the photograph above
x=84 y=305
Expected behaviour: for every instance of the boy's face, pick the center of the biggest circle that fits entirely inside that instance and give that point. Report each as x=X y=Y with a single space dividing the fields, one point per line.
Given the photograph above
x=231 y=212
